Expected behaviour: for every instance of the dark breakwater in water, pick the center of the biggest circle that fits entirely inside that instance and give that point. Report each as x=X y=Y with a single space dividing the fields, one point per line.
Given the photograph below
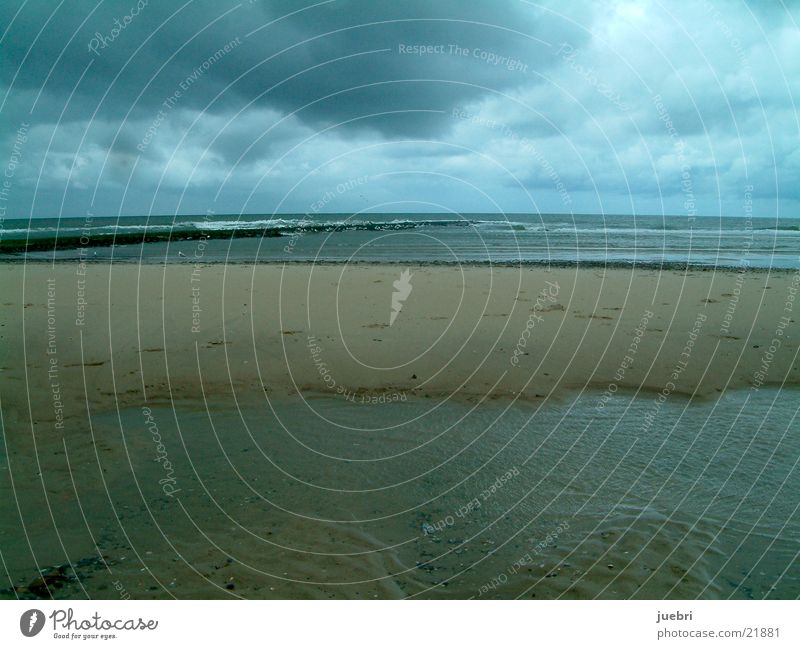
x=557 y=239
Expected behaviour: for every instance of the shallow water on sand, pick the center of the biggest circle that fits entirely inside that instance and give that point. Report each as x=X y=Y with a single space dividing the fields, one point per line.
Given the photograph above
x=327 y=497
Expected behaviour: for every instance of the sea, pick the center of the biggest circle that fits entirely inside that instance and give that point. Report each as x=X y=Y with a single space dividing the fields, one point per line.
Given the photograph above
x=665 y=241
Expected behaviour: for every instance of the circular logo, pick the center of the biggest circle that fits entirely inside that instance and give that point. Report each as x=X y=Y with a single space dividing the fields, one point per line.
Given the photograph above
x=31 y=622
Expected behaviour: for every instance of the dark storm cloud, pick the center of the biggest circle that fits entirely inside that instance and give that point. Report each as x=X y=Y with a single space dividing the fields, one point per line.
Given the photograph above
x=253 y=105
x=348 y=50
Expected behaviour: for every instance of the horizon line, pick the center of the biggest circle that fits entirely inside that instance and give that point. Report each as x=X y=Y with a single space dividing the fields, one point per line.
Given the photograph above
x=350 y=213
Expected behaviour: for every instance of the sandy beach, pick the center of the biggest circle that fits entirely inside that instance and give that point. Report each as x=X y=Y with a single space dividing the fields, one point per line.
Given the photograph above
x=105 y=368
x=120 y=335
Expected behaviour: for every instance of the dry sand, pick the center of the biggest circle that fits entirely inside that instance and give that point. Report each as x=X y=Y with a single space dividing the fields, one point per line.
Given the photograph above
x=157 y=332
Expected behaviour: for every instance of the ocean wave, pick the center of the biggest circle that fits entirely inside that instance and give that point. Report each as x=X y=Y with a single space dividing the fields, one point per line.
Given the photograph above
x=307 y=225
x=782 y=228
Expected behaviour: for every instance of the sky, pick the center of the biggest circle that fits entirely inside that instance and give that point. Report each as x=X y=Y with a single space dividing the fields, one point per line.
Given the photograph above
x=137 y=107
